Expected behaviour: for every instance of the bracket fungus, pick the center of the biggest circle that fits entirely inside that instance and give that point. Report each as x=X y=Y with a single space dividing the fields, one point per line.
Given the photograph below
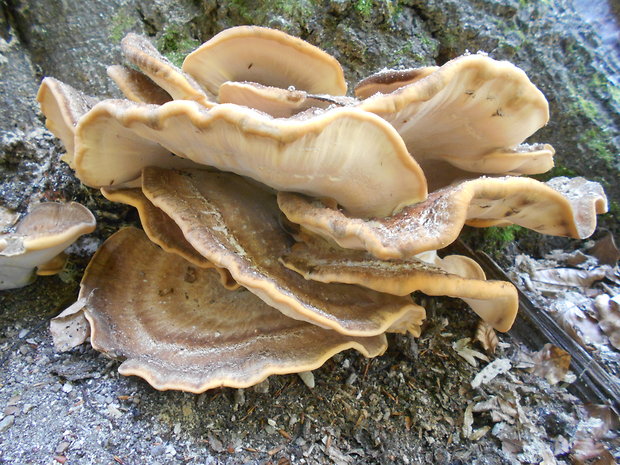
x=469 y=110
x=560 y=207
x=292 y=221
x=266 y=56
x=39 y=240
x=346 y=154
x=496 y=302
x=177 y=327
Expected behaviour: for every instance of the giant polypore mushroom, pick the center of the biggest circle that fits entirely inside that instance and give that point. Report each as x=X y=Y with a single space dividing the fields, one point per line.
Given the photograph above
x=63 y=106
x=164 y=232
x=337 y=167
x=39 y=240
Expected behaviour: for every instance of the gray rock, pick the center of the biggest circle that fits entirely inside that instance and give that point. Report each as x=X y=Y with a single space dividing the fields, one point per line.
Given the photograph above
x=6 y=423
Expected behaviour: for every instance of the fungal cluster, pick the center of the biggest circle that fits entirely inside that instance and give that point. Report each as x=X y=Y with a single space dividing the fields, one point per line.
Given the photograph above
x=284 y=221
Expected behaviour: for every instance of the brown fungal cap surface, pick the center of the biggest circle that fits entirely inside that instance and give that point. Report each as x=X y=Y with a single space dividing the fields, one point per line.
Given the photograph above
x=177 y=328
x=236 y=225
x=266 y=56
x=470 y=107
x=164 y=232
x=561 y=207
x=39 y=237
x=139 y=51
x=137 y=86
x=63 y=106
x=346 y=154
x=388 y=80
x=494 y=301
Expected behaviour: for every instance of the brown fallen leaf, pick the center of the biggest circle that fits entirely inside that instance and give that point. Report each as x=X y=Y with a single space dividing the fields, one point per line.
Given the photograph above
x=485 y=334
x=551 y=363
x=577 y=323
x=600 y=423
x=569 y=277
x=605 y=250
x=609 y=317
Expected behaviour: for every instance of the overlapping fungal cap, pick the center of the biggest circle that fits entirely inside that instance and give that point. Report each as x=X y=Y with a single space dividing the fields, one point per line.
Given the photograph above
x=141 y=53
x=236 y=225
x=496 y=302
x=277 y=102
x=108 y=154
x=265 y=56
x=470 y=108
x=388 y=80
x=560 y=207
x=174 y=325
x=38 y=240
x=137 y=86
x=346 y=154
x=63 y=106
x=164 y=232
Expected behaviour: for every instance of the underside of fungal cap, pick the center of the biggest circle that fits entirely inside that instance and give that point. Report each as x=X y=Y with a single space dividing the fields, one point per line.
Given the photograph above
x=164 y=232
x=137 y=86
x=63 y=106
x=185 y=331
x=496 y=302
x=277 y=102
x=470 y=107
x=388 y=80
x=560 y=207
x=346 y=154
x=237 y=225
x=266 y=56
x=140 y=52
x=109 y=154
x=39 y=238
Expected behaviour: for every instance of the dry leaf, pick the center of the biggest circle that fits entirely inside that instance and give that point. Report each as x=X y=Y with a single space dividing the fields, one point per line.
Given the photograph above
x=489 y=372
x=485 y=334
x=569 y=277
x=70 y=328
x=570 y=258
x=606 y=251
x=601 y=422
x=552 y=363
x=609 y=317
x=589 y=448
x=576 y=322
x=462 y=348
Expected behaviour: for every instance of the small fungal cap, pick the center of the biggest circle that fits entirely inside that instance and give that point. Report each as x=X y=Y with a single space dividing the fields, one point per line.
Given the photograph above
x=137 y=86
x=39 y=237
x=388 y=80
x=63 y=106
x=139 y=51
x=277 y=102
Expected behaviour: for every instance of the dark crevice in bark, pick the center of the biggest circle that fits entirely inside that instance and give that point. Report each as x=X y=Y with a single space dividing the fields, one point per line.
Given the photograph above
x=15 y=22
